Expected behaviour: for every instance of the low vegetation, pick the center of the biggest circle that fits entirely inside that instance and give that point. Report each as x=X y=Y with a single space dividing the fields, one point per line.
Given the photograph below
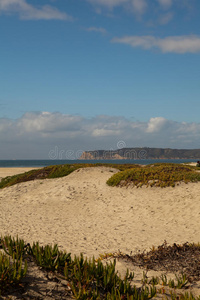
x=11 y=273
x=56 y=172
x=86 y=279
x=159 y=175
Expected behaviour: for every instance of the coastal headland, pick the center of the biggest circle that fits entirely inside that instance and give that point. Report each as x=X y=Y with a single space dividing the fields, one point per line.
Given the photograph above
x=141 y=153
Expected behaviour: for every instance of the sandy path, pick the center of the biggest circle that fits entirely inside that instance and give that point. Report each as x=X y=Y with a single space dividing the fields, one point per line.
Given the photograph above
x=82 y=214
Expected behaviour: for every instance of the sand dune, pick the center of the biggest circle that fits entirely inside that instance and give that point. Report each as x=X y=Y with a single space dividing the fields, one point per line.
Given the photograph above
x=82 y=214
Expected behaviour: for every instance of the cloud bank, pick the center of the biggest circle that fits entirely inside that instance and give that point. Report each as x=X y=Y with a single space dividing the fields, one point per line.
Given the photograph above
x=27 y=11
x=45 y=135
x=170 y=44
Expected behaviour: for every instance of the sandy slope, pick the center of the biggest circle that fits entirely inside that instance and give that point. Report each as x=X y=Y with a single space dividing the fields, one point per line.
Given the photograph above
x=82 y=214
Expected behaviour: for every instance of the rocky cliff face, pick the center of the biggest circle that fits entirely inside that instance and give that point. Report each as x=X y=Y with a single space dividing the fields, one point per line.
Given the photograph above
x=95 y=155
x=142 y=153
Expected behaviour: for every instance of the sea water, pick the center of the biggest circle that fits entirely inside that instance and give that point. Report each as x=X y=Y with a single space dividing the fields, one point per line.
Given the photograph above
x=44 y=163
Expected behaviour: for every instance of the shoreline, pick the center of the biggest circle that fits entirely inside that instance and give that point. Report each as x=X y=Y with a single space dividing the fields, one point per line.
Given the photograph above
x=44 y=163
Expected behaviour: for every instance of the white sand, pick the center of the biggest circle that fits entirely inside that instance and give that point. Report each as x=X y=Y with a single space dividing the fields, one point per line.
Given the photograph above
x=82 y=214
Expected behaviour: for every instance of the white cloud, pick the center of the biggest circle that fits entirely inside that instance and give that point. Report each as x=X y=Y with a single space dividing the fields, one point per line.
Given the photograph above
x=45 y=134
x=97 y=29
x=173 y=44
x=180 y=44
x=156 y=124
x=48 y=123
x=101 y=132
x=27 y=11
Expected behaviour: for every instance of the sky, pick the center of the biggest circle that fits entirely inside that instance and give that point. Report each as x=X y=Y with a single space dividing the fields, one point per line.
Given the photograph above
x=98 y=74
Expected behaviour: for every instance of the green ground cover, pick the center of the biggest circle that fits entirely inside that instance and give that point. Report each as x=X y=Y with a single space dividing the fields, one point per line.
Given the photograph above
x=159 y=175
x=86 y=279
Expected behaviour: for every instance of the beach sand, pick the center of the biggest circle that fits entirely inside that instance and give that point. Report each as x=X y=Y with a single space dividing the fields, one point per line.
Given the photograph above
x=4 y=172
x=82 y=214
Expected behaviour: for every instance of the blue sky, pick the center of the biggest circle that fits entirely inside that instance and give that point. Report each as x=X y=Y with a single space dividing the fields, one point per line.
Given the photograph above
x=108 y=70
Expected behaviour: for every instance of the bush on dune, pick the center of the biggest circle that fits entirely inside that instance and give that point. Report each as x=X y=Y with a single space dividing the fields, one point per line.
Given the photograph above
x=160 y=175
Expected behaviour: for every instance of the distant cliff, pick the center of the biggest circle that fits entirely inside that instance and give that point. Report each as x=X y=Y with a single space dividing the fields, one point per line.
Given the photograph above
x=142 y=153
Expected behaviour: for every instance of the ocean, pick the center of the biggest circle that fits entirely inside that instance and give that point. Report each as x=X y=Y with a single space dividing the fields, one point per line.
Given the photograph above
x=44 y=163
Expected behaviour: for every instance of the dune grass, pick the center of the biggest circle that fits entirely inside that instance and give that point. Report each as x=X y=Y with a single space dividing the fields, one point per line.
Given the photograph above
x=159 y=175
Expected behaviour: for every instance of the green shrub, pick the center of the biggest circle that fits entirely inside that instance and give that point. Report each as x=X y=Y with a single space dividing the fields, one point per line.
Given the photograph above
x=161 y=175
